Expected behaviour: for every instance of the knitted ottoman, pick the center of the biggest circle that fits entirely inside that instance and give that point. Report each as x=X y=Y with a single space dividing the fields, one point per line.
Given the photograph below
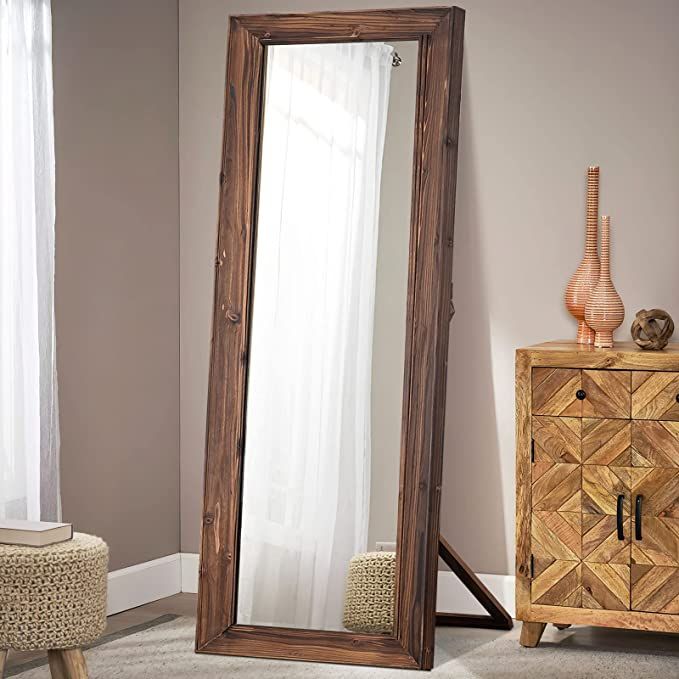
x=53 y=598
x=369 y=599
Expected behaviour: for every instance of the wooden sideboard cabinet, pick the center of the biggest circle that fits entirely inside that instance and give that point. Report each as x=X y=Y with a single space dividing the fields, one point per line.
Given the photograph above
x=597 y=473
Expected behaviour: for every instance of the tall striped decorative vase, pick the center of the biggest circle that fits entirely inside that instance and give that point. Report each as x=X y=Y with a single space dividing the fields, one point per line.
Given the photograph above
x=586 y=276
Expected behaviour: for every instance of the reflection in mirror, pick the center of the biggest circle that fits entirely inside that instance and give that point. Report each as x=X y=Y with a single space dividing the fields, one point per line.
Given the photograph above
x=327 y=344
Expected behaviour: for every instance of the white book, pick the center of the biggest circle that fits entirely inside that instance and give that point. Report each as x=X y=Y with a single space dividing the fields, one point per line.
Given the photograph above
x=34 y=533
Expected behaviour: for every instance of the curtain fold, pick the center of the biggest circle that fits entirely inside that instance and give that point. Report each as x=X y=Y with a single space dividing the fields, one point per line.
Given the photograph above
x=307 y=451
x=29 y=430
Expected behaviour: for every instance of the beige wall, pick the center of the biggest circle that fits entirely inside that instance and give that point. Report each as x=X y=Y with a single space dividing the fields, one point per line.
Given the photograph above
x=117 y=277
x=549 y=87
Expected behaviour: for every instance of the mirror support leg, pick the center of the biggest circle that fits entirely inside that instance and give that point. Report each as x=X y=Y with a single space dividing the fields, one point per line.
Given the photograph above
x=497 y=617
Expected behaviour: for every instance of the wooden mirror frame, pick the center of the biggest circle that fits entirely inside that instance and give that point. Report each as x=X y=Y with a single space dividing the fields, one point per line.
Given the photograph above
x=439 y=32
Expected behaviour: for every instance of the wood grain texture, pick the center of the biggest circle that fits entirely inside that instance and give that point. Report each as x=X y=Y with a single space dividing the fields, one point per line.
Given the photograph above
x=523 y=379
x=386 y=24
x=497 y=618
x=67 y=663
x=660 y=491
x=554 y=392
x=655 y=444
x=557 y=439
x=606 y=586
x=230 y=328
x=556 y=488
x=655 y=589
x=557 y=536
x=654 y=396
x=531 y=633
x=557 y=583
x=623 y=356
x=600 y=542
x=440 y=35
x=619 y=455
x=652 y=329
x=607 y=442
x=607 y=393
x=563 y=615
x=659 y=545
x=430 y=276
x=311 y=646
x=601 y=486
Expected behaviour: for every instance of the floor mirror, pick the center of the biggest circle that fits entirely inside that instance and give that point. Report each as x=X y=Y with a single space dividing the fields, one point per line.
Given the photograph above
x=332 y=302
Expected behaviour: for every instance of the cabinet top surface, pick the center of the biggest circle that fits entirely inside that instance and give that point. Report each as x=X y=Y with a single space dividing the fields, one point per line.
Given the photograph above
x=623 y=355
x=619 y=347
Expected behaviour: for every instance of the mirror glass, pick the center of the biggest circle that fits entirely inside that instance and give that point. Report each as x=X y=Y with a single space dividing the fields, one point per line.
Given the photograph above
x=327 y=340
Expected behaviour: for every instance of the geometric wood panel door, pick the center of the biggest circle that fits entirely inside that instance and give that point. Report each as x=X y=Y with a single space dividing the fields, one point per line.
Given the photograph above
x=606 y=474
x=607 y=442
x=655 y=589
x=655 y=395
x=605 y=488
x=556 y=487
x=566 y=392
x=555 y=392
x=607 y=393
x=655 y=444
x=606 y=586
x=556 y=518
x=557 y=583
x=557 y=439
x=656 y=537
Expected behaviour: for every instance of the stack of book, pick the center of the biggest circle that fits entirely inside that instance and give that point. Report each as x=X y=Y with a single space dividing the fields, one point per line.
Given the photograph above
x=34 y=533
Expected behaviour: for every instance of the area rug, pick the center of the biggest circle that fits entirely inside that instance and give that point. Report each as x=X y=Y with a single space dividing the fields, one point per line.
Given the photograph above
x=164 y=649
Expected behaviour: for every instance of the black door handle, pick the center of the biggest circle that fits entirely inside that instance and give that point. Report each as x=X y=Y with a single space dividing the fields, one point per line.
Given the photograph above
x=637 y=517
x=621 y=532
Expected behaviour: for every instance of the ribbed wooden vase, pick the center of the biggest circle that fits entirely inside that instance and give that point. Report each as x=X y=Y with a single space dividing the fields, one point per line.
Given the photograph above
x=586 y=276
x=604 y=311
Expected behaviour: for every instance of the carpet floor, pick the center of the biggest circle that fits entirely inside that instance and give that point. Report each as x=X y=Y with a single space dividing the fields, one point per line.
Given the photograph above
x=164 y=649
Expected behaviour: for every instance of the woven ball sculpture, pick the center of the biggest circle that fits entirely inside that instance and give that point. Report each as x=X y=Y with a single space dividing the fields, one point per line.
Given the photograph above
x=648 y=332
x=370 y=594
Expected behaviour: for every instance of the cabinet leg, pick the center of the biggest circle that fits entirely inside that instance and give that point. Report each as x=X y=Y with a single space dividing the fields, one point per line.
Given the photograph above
x=67 y=663
x=561 y=627
x=3 y=657
x=531 y=633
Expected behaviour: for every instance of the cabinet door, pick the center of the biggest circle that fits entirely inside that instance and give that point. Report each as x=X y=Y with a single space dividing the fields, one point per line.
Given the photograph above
x=655 y=545
x=655 y=395
x=555 y=392
x=655 y=444
x=656 y=518
x=566 y=392
x=607 y=393
x=606 y=523
x=556 y=519
x=655 y=589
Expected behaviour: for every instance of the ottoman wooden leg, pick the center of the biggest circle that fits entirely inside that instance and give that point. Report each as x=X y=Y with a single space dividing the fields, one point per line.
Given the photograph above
x=67 y=663
x=3 y=657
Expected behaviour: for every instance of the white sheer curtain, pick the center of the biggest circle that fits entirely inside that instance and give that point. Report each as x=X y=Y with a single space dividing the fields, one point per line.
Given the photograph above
x=29 y=433
x=307 y=451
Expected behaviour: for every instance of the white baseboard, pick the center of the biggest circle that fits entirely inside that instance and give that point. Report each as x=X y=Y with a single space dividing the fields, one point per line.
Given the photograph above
x=143 y=583
x=189 y=572
x=153 y=580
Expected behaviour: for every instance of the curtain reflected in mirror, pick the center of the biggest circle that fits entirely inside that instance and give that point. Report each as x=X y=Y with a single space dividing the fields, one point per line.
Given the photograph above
x=327 y=343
